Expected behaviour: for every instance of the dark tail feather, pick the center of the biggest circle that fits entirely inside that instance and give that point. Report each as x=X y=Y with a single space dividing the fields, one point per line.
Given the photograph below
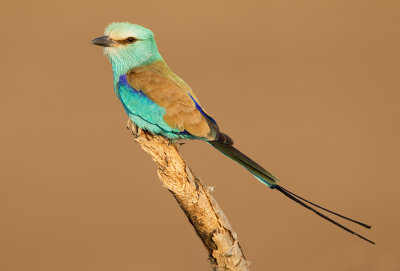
x=283 y=191
x=322 y=208
x=271 y=181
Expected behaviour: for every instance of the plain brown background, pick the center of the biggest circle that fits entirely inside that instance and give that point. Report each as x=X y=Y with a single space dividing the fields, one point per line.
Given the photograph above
x=310 y=89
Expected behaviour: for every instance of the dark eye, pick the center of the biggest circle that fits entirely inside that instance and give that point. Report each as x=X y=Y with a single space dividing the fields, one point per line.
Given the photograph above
x=130 y=39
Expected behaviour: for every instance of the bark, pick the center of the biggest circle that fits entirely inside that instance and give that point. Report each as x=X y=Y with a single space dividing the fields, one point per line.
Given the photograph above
x=202 y=210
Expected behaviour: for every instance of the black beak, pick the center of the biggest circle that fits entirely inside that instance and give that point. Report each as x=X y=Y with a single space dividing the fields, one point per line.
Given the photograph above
x=104 y=41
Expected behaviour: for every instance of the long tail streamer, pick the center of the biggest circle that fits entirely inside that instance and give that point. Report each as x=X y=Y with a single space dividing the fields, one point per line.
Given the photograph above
x=271 y=181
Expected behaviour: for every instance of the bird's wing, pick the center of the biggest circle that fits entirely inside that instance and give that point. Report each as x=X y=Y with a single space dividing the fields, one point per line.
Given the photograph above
x=167 y=90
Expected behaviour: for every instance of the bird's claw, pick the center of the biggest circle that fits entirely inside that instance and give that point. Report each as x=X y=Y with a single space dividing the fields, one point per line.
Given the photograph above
x=134 y=129
x=129 y=124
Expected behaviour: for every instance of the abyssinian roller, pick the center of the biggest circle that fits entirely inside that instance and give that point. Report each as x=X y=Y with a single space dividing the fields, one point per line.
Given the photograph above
x=159 y=101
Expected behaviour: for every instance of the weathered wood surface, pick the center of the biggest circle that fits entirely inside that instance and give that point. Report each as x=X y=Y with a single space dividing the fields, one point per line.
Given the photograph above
x=202 y=210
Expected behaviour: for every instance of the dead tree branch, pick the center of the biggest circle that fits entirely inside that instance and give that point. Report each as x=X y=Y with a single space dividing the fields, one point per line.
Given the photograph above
x=196 y=201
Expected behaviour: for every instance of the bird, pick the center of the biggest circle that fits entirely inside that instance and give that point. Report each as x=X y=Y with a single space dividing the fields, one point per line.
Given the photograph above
x=160 y=102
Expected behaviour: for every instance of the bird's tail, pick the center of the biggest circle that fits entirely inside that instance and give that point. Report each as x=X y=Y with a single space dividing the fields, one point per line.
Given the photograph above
x=225 y=145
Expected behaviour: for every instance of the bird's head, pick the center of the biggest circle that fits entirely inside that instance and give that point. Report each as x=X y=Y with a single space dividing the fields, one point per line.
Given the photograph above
x=128 y=46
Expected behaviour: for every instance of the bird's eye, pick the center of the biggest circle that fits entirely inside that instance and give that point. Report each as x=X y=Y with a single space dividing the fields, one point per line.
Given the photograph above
x=130 y=39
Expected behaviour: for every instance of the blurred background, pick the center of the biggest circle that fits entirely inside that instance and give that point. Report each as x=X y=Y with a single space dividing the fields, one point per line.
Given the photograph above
x=309 y=89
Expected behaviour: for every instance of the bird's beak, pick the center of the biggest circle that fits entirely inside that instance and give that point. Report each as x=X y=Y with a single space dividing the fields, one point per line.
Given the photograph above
x=104 y=41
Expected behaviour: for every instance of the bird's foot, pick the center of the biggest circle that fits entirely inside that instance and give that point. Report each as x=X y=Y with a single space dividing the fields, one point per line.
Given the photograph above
x=134 y=129
x=129 y=124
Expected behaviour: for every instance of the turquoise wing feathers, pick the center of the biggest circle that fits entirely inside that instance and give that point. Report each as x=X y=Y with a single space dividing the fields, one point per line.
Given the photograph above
x=144 y=112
